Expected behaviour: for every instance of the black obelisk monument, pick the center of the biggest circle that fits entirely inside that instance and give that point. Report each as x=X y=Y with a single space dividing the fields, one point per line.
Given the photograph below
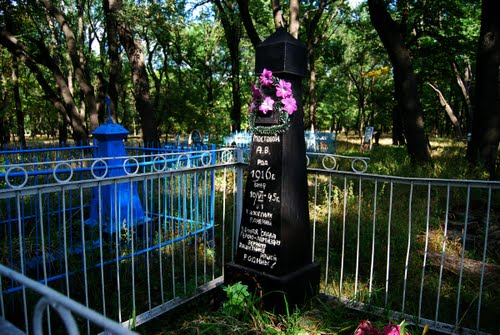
x=274 y=243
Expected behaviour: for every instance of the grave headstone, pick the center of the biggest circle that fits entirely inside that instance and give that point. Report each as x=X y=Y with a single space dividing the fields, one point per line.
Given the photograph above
x=114 y=206
x=367 y=139
x=310 y=141
x=274 y=244
x=195 y=138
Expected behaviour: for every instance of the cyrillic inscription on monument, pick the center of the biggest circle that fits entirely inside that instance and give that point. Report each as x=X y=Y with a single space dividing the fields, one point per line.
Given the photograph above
x=259 y=241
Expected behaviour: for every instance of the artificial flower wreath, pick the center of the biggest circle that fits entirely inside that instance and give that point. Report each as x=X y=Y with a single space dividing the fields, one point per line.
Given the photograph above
x=271 y=94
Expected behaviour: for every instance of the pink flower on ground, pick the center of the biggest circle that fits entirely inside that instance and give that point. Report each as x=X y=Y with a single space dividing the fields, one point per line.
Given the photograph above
x=366 y=328
x=283 y=89
x=392 y=329
x=290 y=105
x=266 y=78
x=267 y=105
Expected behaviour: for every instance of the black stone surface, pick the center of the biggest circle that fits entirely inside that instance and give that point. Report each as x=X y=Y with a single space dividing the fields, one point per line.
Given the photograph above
x=274 y=244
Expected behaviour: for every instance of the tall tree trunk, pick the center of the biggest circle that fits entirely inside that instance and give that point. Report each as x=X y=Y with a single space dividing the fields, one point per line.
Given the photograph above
x=312 y=94
x=232 y=32
x=63 y=101
x=236 y=90
x=486 y=121
x=294 y=18
x=77 y=60
x=101 y=89
x=312 y=40
x=159 y=85
x=140 y=79
x=17 y=99
x=15 y=86
x=248 y=23
x=405 y=83
x=398 y=137
x=113 y=87
x=449 y=111
x=361 y=90
x=464 y=82
x=279 y=20
x=63 y=130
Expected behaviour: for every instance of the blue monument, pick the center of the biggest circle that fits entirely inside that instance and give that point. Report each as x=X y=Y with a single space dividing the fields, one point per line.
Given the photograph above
x=120 y=206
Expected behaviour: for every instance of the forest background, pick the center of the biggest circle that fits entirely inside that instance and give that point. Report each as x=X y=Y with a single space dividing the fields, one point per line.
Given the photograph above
x=412 y=69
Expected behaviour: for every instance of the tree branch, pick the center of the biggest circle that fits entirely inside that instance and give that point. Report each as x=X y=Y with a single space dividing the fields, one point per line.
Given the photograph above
x=248 y=23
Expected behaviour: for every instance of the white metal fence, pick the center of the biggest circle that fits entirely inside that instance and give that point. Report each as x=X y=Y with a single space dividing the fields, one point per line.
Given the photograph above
x=79 y=233
x=424 y=248
x=65 y=308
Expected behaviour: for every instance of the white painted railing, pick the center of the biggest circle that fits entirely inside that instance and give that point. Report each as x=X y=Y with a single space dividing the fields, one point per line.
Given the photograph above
x=129 y=269
x=426 y=249
x=61 y=304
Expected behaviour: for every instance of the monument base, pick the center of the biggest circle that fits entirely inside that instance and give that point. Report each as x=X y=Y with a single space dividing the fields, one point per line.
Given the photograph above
x=298 y=286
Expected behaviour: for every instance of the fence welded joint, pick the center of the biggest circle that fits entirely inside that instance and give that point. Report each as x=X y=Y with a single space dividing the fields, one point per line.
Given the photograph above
x=333 y=159
x=65 y=314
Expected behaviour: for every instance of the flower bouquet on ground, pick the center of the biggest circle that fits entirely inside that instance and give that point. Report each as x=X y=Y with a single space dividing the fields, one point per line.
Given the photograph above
x=367 y=328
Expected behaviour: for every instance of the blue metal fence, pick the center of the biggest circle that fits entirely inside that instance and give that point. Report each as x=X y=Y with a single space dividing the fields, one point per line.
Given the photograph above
x=70 y=207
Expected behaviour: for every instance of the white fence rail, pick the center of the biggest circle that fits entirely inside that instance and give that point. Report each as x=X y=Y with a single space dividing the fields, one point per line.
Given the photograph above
x=424 y=248
x=85 y=239
x=427 y=249
x=61 y=304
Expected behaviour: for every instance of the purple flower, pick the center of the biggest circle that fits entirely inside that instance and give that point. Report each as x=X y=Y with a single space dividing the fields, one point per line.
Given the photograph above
x=256 y=92
x=289 y=104
x=252 y=106
x=267 y=105
x=283 y=89
x=392 y=329
x=266 y=78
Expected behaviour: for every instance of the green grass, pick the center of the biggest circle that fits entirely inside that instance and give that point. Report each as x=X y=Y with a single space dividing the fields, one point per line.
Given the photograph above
x=321 y=315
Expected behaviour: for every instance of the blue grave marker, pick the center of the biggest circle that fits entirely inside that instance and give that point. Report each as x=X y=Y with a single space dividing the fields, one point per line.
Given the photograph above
x=120 y=205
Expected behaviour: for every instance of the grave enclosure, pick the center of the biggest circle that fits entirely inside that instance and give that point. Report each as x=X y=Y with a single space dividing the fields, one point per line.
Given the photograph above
x=86 y=220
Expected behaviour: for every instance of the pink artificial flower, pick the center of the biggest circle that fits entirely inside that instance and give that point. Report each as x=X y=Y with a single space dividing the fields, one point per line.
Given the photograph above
x=283 y=89
x=256 y=92
x=392 y=329
x=289 y=104
x=366 y=328
x=252 y=106
x=266 y=78
x=267 y=105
